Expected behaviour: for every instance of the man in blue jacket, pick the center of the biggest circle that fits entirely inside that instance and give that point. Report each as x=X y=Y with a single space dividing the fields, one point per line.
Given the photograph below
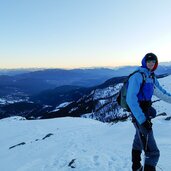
x=141 y=86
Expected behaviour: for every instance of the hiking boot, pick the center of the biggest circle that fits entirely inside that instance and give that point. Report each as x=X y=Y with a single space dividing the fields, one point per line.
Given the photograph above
x=149 y=168
x=136 y=160
x=140 y=169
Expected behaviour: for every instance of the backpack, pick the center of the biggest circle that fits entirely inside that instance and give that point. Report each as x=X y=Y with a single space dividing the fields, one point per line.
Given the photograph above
x=121 y=98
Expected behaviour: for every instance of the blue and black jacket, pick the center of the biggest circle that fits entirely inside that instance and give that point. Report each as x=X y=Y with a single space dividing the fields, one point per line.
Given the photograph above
x=137 y=95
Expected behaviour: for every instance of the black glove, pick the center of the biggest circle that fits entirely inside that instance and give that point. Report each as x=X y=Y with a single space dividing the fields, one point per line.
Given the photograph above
x=147 y=125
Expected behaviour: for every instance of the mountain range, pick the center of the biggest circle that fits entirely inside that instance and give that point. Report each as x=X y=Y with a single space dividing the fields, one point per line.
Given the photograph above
x=33 y=82
x=97 y=102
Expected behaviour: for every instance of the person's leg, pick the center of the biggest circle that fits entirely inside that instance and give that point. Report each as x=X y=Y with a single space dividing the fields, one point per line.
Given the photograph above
x=149 y=168
x=150 y=148
x=136 y=151
x=136 y=160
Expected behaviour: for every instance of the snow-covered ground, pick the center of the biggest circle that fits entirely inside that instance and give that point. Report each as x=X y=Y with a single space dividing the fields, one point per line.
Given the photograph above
x=62 y=105
x=79 y=144
x=162 y=106
x=7 y=101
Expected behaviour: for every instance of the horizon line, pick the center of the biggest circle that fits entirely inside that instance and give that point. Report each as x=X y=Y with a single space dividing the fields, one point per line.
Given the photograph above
x=91 y=67
x=86 y=67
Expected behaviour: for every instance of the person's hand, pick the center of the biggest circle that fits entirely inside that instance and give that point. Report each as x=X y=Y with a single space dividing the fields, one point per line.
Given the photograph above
x=147 y=125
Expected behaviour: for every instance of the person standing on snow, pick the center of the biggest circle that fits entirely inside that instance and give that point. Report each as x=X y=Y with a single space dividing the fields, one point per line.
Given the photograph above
x=141 y=86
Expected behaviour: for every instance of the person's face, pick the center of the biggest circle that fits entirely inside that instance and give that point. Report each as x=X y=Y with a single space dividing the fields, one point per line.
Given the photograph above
x=150 y=64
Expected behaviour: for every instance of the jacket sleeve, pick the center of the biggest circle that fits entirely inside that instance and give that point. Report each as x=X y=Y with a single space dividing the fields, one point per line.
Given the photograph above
x=134 y=85
x=161 y=93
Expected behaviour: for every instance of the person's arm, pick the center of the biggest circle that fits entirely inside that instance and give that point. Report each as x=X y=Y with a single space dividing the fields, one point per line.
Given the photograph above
x=161 y=93
x=134 y=85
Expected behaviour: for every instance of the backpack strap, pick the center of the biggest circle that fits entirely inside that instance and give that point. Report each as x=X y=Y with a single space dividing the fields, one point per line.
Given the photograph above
x=153 y=76
x=143 y=82
x=142 y=73
x=143 y=76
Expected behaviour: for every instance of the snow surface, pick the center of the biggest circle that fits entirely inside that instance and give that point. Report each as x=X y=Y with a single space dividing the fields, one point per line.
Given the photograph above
x=107 y=92
x=162 y=106
x=62 y=105
x=2 y=101
x=90 y=145
x=5 y=101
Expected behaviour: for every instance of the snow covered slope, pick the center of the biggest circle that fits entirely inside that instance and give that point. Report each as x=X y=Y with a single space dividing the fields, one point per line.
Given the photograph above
x=79 y=144
x=162 y=106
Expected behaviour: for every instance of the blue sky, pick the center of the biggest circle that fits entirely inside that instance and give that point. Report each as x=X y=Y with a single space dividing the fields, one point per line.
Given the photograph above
x=83 y=33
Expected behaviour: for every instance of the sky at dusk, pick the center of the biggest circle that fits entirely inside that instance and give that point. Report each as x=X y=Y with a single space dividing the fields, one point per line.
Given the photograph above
x=83 y=33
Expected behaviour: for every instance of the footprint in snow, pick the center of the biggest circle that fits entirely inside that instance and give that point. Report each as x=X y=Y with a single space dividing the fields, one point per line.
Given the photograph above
x=96 y=160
